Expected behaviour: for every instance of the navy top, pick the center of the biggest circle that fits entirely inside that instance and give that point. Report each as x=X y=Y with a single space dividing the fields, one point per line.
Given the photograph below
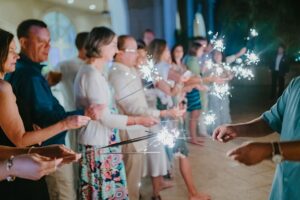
x=35 y=101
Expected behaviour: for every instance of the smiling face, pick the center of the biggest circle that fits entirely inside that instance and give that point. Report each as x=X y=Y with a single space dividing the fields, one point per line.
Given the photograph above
x=178 y=52
x=10 y=63
x=36 y=45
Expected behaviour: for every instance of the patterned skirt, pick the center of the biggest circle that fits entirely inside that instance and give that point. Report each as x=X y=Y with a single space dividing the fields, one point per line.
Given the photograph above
x=102 y=173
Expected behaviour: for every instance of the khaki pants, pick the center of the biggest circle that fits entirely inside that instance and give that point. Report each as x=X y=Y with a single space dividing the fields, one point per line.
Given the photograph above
x=134 y=164
x=61 y=184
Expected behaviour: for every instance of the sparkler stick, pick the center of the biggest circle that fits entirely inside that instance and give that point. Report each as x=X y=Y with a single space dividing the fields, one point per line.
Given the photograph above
x=134 y=92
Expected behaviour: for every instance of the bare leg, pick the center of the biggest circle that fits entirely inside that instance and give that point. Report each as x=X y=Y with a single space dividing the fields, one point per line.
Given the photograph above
x=156 y=181
x=165 y=184
x=186 y=172
x=194 y=116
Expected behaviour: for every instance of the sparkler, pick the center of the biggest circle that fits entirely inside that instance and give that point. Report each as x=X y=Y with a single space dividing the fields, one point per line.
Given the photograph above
x=218 y=44
x=168 y=137
x=148 y=70
x=209 y=118
x=251 y=58
x=253 y=32
x=241 y=72
x=220 y=90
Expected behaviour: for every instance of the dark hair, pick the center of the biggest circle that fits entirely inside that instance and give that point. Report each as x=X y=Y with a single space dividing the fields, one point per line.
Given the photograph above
x=121 y=41
x=156 y=48
x=194 y=48
x=24 y=26
x=282 y=45
x=5 y=40
x=199 y=38
x=81 y=39
x=148 y=30
x=141 y=44
x=98 y=37
x=173 y=50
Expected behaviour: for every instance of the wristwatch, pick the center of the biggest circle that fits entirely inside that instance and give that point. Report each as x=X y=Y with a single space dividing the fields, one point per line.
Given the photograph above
x=276 y=154
x=9 y=165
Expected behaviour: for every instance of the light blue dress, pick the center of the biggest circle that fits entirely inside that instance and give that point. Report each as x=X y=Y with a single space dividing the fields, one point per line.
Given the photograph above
x=284 y=117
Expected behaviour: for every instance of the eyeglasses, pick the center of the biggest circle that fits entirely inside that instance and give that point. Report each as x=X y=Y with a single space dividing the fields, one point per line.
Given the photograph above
x=129 y=50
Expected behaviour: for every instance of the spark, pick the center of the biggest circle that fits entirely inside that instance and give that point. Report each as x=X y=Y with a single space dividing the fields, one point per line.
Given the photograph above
x=209 y=118
x=253 y=32
x=251 y=58
x=218 y=44
x=220 y=90
x=209 y=64
x=168 y=137
x=148 y=71
x=242 y=72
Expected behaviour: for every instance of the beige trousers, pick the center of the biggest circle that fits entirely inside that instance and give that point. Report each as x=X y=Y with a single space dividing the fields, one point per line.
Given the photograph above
x=134 y=164
x=61 y=184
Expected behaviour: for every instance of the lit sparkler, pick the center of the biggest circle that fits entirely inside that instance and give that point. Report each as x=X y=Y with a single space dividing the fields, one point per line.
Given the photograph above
x=168 y=137
x=253 y=32
x=218 y=44
x=220 y=90
x=148 y=71
x=251 y=58
x=243 y=72
x=209 y=118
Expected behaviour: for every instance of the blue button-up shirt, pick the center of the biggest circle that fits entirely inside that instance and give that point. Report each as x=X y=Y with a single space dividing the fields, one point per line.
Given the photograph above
x=35 y=101
x=284 y=118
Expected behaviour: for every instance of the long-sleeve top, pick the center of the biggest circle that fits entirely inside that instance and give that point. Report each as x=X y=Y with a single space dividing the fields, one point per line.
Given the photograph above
x=90 y=87
x=35 y=101
x=129 y=89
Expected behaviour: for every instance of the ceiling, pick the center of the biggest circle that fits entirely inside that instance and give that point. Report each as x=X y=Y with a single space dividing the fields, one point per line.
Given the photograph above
x=83 y=4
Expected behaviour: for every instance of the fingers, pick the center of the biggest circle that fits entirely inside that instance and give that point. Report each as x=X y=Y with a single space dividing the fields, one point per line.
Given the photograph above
x=49 y=167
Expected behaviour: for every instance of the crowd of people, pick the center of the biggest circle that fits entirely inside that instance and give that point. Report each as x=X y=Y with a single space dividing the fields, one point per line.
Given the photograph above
x=107 y=101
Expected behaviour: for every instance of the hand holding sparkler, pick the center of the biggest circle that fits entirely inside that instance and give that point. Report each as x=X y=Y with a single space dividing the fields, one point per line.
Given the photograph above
x=224 y=133
x=174 y=112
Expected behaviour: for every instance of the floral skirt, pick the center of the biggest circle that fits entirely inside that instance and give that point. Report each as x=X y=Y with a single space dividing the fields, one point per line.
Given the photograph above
x=102 y=173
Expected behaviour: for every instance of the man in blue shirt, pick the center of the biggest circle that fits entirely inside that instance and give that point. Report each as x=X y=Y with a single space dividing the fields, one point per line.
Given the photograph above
x=283 y=118
x=35 y=101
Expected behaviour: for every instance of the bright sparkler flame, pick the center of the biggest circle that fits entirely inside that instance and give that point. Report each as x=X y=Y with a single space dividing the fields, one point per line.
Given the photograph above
x=251 y=58
x=220 y=90
x=253 y=32
x=242 y=72
x=209 y=118
x=167 y=137
x=148 y=71
x=218 y=44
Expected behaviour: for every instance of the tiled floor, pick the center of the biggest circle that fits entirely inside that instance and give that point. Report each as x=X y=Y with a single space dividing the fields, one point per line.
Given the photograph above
x=213 y=172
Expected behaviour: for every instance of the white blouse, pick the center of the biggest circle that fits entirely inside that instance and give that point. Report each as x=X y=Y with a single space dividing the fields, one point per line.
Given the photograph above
x=90 y=87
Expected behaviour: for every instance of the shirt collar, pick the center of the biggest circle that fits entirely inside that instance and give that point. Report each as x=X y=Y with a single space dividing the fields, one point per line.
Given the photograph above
x=24 y=58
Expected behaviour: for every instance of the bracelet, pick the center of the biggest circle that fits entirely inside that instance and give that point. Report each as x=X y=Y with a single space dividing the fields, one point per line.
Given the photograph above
x=29 y=150
x=9 y=165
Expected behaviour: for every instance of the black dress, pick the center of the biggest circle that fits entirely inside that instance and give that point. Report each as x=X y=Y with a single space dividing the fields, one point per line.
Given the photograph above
x=21 y=188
